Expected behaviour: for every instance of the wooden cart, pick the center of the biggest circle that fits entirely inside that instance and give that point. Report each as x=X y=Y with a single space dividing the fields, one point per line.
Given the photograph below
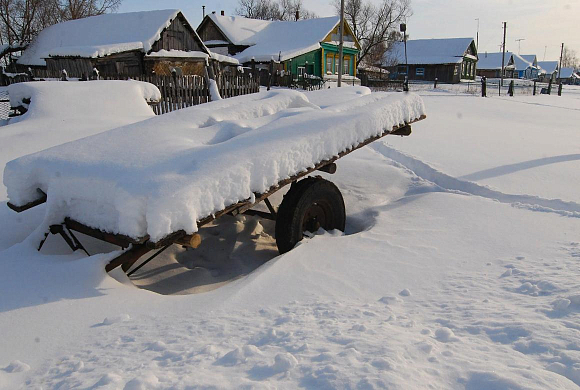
x=310 y=203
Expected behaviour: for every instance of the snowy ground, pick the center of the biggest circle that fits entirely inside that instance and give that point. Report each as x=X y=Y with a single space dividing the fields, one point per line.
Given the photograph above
x=459 y=269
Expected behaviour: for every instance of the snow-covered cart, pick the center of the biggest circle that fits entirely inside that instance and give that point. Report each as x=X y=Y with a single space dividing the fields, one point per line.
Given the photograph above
x=152 y=184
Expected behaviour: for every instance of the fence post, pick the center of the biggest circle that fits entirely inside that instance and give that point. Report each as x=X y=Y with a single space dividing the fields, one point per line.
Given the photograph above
x=484 y=86
x=511 y=88
x=550 y=86
x=435 y=85
x=560 y=89
x=270 y=73
x=534 y=88
x=64 y=75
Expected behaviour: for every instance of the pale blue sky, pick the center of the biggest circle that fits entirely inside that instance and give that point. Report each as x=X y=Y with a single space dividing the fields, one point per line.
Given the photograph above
x=543 y=24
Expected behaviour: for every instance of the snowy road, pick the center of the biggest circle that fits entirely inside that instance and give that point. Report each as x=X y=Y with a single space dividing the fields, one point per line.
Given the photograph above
x=452 y=275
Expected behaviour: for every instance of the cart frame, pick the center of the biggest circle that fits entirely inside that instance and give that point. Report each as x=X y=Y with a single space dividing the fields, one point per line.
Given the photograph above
x=135 y=248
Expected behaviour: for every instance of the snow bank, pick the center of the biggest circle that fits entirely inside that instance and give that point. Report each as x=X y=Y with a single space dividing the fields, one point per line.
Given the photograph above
x=166 y=173
x=83 y=99
x=61 y=112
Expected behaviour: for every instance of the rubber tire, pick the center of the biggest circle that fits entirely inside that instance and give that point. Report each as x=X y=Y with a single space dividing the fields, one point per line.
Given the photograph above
x=304 y=196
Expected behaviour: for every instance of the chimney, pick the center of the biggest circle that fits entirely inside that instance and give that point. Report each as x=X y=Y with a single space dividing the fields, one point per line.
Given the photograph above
x=297 y=14
x=223 y=13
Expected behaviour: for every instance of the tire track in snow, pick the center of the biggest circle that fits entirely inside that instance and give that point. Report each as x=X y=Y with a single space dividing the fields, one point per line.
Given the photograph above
x=450 y=183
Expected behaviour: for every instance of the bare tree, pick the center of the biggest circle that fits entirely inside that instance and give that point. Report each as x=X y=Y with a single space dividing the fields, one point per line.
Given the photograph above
x=569 y=58
x=22 y=20
x=77 y=9
x=273 y=10
x=375 y=27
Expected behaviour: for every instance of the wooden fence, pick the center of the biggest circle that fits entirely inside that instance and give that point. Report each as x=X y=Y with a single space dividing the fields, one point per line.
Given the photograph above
x=177 y=92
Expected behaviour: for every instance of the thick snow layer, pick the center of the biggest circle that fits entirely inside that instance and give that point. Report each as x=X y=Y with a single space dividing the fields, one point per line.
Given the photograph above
x=548 y=66
x=163 y=175
x=434 y=285
x=272 y=41
x=269 y=39
x=493 y=61
x=429 y=51
x=178 y=53
x=61 y=111
x=98 y=36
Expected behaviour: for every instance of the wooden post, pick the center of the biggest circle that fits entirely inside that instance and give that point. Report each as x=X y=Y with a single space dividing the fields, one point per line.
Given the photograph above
x=484 y=86
x=560 y=89
x=550 y=86
x=270 y=72
x=435 y=85
x=511 y=88
x=534 y=88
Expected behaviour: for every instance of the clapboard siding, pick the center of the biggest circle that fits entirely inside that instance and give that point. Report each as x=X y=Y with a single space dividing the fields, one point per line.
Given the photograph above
x=178 y=36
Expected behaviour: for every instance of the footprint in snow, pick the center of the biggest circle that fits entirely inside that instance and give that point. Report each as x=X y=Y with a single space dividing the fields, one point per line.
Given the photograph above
x=113 y=320
x=283 y=362
x=17 y=366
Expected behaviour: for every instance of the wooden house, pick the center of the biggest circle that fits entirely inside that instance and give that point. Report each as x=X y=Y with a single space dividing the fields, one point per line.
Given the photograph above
x=489 y=65
x=548 y=70
x=568 y=76
x=448 y=60
x=526 y=66
x=128 y=44
x=305 y=48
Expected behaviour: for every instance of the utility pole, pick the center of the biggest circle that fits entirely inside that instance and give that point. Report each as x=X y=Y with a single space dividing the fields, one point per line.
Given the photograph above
x=519 y=41
x=561 y=54
x=477 y=36
x=503 y=56
x=340 y=45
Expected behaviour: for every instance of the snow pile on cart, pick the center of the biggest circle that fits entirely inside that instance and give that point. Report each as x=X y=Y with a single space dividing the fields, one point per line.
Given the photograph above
x=164 y=174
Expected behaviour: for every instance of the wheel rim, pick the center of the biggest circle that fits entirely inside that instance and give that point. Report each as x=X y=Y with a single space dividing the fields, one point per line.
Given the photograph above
x=316 y=216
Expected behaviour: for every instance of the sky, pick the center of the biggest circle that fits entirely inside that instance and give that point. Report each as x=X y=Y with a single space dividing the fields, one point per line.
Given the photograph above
x=540 y=25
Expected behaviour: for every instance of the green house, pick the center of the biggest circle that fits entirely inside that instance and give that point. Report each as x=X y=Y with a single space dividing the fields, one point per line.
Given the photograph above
x=307 y=47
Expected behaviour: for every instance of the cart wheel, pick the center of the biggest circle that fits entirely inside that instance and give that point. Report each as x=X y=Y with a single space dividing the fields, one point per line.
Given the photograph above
x=310 y=204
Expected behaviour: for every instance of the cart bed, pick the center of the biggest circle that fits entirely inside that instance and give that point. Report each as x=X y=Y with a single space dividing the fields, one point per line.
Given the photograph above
x=166 y=176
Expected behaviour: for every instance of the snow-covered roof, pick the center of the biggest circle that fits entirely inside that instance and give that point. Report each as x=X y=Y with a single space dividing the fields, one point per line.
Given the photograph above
x=548 y=66
x=275 y=39
x=521 y=63
x=98 y=36
x=239 y=30
x=531 y=58
x=493 y=60
x=566 y=73
x=429 y=51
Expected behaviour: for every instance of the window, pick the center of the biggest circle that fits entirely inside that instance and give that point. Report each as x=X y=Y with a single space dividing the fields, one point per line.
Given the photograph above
x=336 y=65
x=345 y=67
x=301 y=71
x=328 y=64
x=402 y=69
x=420 y=72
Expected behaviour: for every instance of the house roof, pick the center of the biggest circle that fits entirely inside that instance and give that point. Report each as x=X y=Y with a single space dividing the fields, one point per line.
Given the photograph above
x=98 y=36
x=492 y=61
x=429 y=51
x=275 y=39
x=521 y=63
x=548 y=66
x=566 y=73
x=239 y=30
x=531 y=58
